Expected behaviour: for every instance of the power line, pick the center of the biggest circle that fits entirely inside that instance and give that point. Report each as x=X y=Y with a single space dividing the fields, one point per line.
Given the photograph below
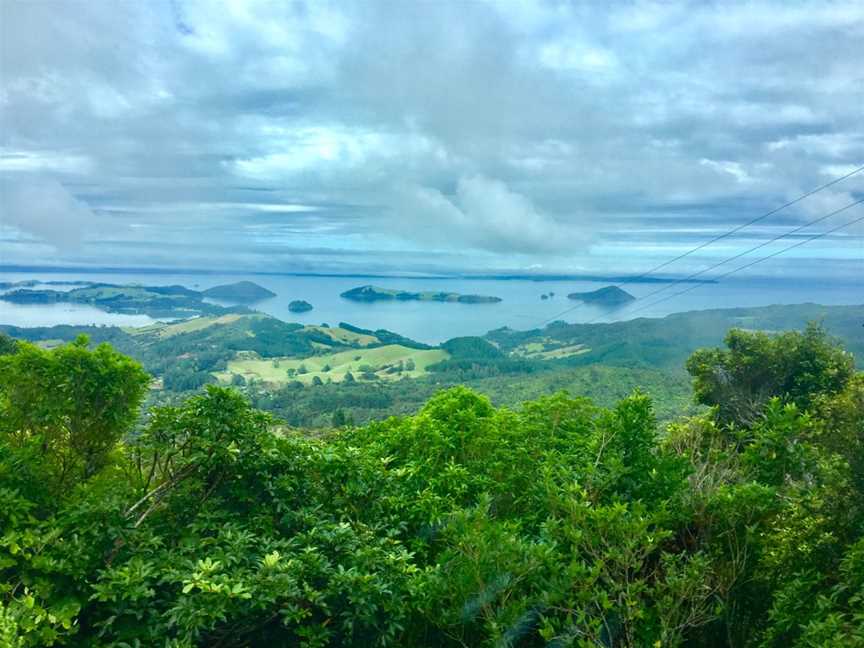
x=720 y=237
x=753 y=249
x=756 y=261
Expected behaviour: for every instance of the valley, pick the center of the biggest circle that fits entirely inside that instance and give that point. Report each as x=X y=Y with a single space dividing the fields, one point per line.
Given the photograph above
x=304 y=373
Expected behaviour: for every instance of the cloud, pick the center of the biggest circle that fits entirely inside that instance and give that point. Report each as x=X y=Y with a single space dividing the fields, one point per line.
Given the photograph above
x=484 y=214
x=540 y=129
x=47 y=211
x=41 y=161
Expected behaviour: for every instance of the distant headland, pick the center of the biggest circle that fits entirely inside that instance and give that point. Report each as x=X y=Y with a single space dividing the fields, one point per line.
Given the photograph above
x=373 y=293
x=155 y=301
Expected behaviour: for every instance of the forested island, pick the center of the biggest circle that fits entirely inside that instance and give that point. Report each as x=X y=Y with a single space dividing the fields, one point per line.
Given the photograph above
x=239 y=292
x=299 y=306
x=373 y=293
x=610 y=296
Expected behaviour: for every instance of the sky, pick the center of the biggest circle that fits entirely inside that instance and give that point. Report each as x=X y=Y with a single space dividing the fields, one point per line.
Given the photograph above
x=426 y=137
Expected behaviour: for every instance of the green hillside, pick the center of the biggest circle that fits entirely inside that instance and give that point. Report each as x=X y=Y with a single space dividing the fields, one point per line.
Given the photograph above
x=666 y=342
x=394 y=375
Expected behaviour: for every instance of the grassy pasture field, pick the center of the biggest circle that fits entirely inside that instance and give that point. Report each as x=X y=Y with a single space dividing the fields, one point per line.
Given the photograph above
x=541 y=350
x=163 y=331
x=344 y=336
x=356 y=361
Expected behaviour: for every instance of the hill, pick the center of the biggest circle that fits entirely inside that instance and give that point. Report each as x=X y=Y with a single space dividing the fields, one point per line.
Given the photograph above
x=242 y=291
x=610 y=296
x=286 y=367
x=666 y=342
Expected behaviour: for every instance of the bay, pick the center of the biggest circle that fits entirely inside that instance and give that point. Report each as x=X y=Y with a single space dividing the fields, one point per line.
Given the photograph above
x=521 y=307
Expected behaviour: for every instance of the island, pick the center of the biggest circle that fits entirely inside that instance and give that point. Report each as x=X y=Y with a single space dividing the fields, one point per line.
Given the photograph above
x=609 y=297
x=174 y=302
x=373 y=293
x=299 y=306
x=242 y=291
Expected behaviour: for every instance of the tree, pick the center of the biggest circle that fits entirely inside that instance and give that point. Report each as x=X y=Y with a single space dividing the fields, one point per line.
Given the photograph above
x=341 y=419
x=74 y=403
x=464 y=525
x=316 y=380
x=7 y=344
x=755 y=367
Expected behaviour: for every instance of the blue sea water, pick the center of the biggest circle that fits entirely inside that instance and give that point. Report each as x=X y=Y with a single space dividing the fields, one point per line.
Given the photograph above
x=521 y=308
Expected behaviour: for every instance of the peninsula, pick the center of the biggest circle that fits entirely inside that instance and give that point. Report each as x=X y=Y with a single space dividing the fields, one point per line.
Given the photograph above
x=172 y=302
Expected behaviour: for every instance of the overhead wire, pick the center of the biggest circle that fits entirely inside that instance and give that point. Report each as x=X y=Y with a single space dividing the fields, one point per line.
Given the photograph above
x=754 y=262
x=795 y=230
x=719 y=237
x=724 y=235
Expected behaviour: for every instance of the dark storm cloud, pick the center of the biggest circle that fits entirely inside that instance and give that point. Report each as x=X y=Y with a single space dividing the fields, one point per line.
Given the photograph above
x=496 y=134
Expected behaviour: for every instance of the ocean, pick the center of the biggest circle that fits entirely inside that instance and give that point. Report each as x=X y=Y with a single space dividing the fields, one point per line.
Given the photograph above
x=522 y=306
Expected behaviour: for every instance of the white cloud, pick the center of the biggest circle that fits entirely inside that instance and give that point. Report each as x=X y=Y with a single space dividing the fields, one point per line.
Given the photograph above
x=194 y=119
x=42 y=162
x=577 y=57
x=332 y=149
x=47 y=211
x=484 y=214
x=734 y=169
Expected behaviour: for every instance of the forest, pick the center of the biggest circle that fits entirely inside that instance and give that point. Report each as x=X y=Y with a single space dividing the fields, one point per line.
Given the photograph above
x=208 y=522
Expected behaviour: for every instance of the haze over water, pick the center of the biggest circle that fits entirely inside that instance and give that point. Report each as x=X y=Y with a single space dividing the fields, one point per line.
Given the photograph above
x=432 y=322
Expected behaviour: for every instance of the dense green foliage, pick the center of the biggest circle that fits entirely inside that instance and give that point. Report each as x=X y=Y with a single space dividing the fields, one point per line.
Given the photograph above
x=71 y=404
x=312 y=407
x=740 y=380
x=560 y=524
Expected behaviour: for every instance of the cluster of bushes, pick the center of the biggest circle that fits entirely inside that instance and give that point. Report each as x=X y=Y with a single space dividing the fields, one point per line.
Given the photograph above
x=562 y=524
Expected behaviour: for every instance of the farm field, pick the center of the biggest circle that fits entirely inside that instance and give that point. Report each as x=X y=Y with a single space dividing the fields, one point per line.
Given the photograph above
x=390 y=362
x=344 y=336
x=163 y=330
x=549 y=350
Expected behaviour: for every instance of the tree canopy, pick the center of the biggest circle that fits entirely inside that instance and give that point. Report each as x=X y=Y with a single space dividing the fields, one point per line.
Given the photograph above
x=562 y=523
